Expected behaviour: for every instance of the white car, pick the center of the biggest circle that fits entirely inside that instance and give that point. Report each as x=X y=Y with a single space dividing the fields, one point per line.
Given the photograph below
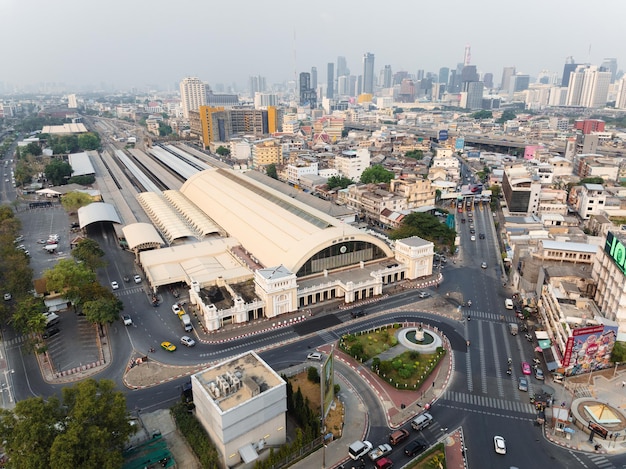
x=499 y=444
x=114 y=285
x=472 y=238
x=175 y=309
x=7 y=296
x=137 y=279
x=127 y=320
x=483 y=265
x=188 y=341
x=314 y=356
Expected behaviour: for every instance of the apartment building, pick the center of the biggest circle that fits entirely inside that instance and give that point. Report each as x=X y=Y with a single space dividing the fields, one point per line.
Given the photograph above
x=192 y=94
x=521 y=190
x=591 y=200
x=265 y=152
x=352 y=163
x=416 y=191
x=609 y=270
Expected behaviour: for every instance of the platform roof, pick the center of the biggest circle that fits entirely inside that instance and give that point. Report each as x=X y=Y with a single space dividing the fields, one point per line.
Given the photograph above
x=97 y=212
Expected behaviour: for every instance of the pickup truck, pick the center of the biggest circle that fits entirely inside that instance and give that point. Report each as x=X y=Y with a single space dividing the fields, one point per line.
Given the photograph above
x=379 y=451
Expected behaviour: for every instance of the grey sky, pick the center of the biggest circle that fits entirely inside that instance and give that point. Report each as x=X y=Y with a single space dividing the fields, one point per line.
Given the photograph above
x=141 y=43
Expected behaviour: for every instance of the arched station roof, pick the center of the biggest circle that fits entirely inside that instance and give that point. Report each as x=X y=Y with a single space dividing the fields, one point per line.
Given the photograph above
x=97 y=212
x=142 y=236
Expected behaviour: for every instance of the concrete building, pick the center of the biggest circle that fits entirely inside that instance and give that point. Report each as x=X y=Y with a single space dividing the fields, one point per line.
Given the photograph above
x=521 y=191
x=192 y=95
x=591 y=200
x=265 y=152
x=588 y=87
x=352 y=163
x=609 y=272
x=242 y=405
x=368 y=74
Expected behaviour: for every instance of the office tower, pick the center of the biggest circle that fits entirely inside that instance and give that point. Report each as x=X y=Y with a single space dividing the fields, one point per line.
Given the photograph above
x=359 y=85
x=488 y=80
x=308 y=96
x=518 y=82
x=352 y=85
x=469 y=73
x=420 y=75
x=507 y=73
x=368 y=73
x=314 y=78
x=263 y=100
x=343 y=85
x=407 y=91
x=192 y=94
x=588 y=87
x=399 y=76
x=610 y=65
x=569 y=67
x=256 y=84
x=474 y=90
x=387 y=76
x=330 y=81
x=444 y=75
x=342 y=67
x=620 y=102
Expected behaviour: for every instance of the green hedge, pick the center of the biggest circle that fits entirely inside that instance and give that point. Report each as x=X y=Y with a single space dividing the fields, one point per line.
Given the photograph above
x=195 y=435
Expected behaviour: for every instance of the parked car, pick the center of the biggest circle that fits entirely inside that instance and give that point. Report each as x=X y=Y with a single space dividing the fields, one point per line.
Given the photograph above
x=358 y=314
x=483 y=265
x=481 y=235
x=50 y=332
x=526 y=368
x=472 y=238
x=423 y=294
x=175 y=309
x=7 y=296
x=188 y=341
x=314 y=356
x=499 y=444
x=170 y=347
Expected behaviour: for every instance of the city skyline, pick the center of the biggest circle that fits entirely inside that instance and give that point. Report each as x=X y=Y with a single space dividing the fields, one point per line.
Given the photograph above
x=134 y=46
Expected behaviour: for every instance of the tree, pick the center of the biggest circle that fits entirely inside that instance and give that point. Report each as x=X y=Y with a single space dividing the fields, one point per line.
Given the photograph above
x=376 y=174
x=88 y=251
x=58 y=172
x=164 y=130
x=222 y=151
x=271 y=171
x=506 y=116
x=32 y=149
x=88 y=428
x=103 y=310
x=495 y=191
x=484 y=114
x=28 y=316
x=89 y=141
x=425 y=226
x=618 y=354
x=338 y=181
x=84 y=180
x=416 y=154
x=70 y=278
x=72 y=201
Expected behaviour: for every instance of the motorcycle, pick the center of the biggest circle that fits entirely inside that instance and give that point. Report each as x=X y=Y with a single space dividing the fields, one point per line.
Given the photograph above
x=509 y=371
x=529 y=337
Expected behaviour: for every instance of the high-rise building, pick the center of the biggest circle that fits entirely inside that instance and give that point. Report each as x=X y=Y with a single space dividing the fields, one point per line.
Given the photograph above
x=314 y=78
x=488 y=80
x=192 y=95
x=444 y=75
x=72 y=102
x=359 y=85
x=507 y=73
x=420 y=75
x=368 y=73
x=518 y=82
x=352 y=85
x=387 y=76
x=620 y=102
x=343 y=85
x=474 y=90
x=588 y=87
x=308 y=96
x=330 y=81
x=342 y=67
x=257 y=84
x=568 y=68
x=610 y=65
x=469 y=74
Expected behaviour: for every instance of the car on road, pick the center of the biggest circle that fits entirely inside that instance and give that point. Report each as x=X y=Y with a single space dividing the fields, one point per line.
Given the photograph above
x=473 y=238
x=499 y=445
x=380 y=451
x=483 y=265
x=472 y=231
x=539 y=374
x=358 y=314
x=423 y=294
x=314 y=356
x=481 y=235
x=127 y=320
x=170 y=347
x=526 y=368
x=114 y=285
x=522 y=384
x=137 y=279
x=175 y=309
x=50 y=332
x=188 y=341
x=358 y=449
x=414 y=447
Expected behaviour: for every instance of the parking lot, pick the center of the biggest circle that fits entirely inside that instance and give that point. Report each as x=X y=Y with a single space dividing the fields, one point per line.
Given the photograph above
x=76 y=343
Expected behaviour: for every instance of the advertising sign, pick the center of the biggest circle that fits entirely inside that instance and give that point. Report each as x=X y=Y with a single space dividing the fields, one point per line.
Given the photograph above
x=443 y=135
x=589 y=349
x=616 y=251
x=328 y=384
x=459 y=144
x=473 y=154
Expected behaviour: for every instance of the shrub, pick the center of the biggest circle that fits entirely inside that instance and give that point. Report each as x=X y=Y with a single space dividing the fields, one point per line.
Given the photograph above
x=313 y=375
x=195 y=435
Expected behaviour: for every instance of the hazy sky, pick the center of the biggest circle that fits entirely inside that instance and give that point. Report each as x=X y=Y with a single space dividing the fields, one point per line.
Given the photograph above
x=142 y=43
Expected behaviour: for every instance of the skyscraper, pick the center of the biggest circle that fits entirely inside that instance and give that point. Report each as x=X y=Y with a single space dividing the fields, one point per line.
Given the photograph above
x=588 y=87
x=314 y=78
x=507 y=73
x=192 y=94
x=368 y=73
x=308 y=96
x=342 y=67
x=488 y=80
x=610 y=65
x=256 y=84
x=387 y=76
x=444 y=75
x=330 y=81
x=569 y=67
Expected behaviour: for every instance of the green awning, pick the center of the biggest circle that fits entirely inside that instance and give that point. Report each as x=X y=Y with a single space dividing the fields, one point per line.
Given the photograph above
x=544 y=343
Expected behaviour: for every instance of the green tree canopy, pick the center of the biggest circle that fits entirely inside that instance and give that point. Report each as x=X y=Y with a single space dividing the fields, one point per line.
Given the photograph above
x=88 y=428
x=88 y=251
x=32 y=149
x=271 y=171
x=375 y=174
x=28 y=316
x=84 y=180
x=58 y=172
x=338 y=181
x=425 y=226
x=69 y=277
x=222 y=151
x=72 y=201
x=507 y=115
x=89 y=141
x=484 y=114
x=103 y=310
x=416 y=154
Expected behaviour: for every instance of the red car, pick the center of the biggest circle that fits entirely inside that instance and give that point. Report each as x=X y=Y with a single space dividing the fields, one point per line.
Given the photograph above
x=526 y=368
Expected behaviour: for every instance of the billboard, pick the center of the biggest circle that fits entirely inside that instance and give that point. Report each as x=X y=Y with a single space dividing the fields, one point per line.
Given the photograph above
x=589 y=349
x=473 y=154
x=459 y=144
x=328 y=384
x=616 y=250
x=443 y=135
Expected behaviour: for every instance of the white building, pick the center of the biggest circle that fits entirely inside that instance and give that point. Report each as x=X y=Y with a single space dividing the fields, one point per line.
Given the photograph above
x=588 y=87
x=301 y=168
x=262 y=100
x=351 y=163
x=72 y=102
x=591 y=201
x=242 y=405
x=192 y=95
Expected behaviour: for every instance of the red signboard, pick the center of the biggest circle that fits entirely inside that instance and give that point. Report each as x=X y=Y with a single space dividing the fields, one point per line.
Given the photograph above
x=568 y=351
x=588 y=330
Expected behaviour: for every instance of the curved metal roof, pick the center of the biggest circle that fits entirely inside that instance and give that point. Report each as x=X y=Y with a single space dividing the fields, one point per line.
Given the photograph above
x=190 y=211
x=164 y=216
x=97 y=211
x=142 y=235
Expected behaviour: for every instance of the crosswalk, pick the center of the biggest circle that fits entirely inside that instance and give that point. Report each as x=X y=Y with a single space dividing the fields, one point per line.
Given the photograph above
x=19 y=340
x=601 y=461
x=128 y=291
x=476 y=314
x=328 y=336
x=488 y=402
